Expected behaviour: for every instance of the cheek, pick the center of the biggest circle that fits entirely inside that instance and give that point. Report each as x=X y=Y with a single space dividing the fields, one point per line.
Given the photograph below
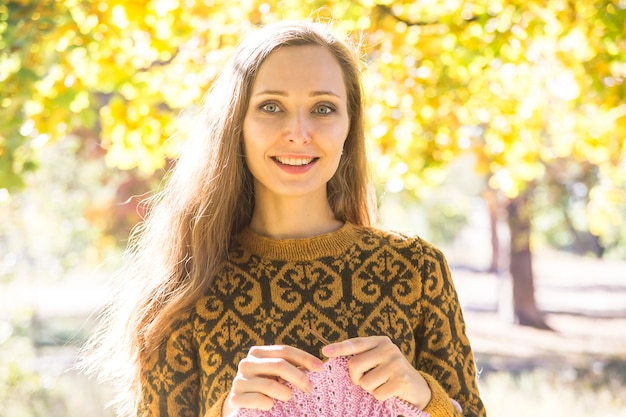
x=341 y=134
x=254 y=152
x=250 y=136
x=257 y=132
x=250 y=152
x=248 y=147
x=247 y=131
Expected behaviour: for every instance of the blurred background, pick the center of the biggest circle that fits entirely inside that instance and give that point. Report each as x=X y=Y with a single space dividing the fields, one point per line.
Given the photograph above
x=496 y=129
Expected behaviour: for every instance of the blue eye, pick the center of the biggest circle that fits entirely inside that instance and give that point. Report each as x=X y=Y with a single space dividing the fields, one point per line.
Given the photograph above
x=324 y=109
x=270 y=107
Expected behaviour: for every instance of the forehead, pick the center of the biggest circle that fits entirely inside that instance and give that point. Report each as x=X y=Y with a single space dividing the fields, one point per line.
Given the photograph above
x=296 y=68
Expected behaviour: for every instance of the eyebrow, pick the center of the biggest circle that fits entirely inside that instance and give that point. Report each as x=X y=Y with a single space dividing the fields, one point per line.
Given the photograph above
x=283 y=93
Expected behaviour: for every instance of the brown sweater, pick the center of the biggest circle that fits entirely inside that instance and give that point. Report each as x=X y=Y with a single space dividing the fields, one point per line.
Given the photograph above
x=357 y=281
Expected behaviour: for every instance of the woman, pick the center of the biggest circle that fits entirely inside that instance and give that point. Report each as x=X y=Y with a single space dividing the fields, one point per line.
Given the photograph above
x=262 y=239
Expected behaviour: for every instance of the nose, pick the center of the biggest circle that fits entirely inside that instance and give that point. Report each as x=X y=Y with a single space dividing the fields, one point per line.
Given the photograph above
x=298 y=130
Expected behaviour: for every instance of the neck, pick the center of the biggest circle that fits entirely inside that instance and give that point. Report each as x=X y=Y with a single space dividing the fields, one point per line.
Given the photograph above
x=289 y=218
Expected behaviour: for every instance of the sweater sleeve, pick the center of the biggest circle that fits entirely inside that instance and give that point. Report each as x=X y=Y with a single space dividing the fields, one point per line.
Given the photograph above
x=444 y=355
x=170 y=377
x=216 y=409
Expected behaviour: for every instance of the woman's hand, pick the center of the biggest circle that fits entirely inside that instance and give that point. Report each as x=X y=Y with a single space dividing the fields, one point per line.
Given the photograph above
x=379 y=367
x=262 y=375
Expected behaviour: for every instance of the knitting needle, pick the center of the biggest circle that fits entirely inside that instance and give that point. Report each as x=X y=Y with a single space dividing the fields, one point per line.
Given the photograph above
x=319 y=337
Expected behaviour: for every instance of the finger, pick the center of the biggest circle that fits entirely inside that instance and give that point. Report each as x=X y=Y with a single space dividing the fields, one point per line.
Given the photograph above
x=378 y=384
x=353 y=346
x=384 y=381
x=390 y=376
x=252 y=400
x=384 y=352
x=377 y=366
x=406 y=384
x=263 y=386
x=384 y=392
x=294 y=356
x=273 y=369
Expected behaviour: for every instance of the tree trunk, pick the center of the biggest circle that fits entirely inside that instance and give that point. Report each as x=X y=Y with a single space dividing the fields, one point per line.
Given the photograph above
x=524 y=303
x=491 y=199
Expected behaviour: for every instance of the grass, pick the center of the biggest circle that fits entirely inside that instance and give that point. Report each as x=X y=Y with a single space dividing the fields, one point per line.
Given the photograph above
x=596 y=392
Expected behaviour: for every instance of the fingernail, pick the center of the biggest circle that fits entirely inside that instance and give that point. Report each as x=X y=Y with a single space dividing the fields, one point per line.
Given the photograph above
x=328 y=350
x=318 y=364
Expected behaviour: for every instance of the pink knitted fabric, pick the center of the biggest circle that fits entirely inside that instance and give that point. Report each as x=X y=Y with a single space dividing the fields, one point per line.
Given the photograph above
x=334 y=395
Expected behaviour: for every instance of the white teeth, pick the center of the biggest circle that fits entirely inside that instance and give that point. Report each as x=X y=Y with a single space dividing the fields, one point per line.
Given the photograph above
x=294 y=161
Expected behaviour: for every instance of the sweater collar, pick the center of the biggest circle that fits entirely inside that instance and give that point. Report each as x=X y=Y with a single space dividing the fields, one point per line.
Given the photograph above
x=303 y=249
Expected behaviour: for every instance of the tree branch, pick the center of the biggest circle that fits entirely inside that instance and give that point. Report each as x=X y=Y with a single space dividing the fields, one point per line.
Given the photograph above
x=386 y=11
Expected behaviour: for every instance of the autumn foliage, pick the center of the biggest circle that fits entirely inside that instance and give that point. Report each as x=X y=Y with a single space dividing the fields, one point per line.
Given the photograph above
x=534 y=90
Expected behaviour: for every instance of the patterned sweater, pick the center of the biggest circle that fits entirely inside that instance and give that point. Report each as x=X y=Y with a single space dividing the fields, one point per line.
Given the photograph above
x=357 y=281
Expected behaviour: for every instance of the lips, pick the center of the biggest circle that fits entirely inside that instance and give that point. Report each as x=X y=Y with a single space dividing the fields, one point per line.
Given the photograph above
x=296 y=162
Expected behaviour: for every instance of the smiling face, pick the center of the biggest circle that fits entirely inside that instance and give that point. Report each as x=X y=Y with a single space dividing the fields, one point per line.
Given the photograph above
x=296 y=122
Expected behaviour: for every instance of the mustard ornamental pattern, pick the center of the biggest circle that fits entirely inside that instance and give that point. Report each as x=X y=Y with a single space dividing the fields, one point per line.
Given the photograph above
x=357 y=281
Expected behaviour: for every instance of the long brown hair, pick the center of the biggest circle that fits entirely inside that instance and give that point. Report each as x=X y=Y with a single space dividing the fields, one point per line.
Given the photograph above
x=207 y=199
